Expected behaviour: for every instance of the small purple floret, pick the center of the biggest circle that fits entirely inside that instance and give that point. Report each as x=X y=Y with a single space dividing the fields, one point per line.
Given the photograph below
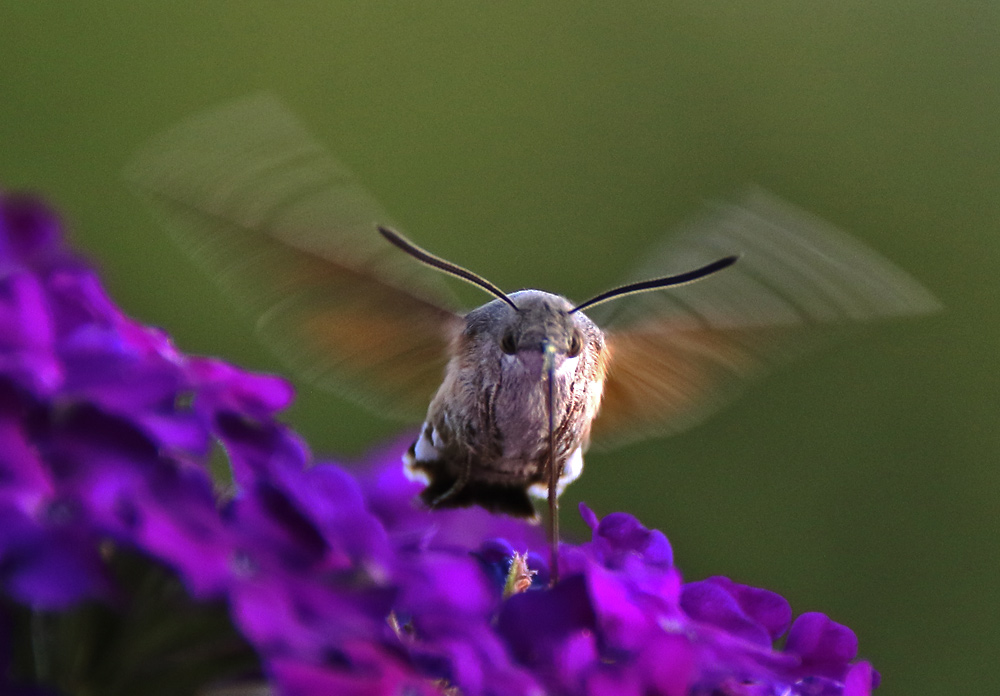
x=338 y=579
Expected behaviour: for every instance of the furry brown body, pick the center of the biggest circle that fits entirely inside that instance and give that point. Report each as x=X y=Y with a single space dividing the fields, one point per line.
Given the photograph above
x=485 y=439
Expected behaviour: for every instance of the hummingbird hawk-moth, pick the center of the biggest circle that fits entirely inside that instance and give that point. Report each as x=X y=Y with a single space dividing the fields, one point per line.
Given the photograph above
x=527 y=376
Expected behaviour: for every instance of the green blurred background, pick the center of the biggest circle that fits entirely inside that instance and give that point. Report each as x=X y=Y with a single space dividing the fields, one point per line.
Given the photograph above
x=547 y=145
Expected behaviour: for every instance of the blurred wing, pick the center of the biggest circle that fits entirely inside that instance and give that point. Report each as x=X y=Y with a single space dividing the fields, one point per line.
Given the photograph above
x=286 y=229
x=678 y=354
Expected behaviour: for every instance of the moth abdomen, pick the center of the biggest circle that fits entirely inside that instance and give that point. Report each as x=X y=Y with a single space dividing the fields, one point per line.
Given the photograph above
x=450 y=485
x=444 y=491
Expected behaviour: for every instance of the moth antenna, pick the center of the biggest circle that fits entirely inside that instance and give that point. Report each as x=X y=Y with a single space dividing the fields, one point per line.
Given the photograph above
x=658 y=283
x=424 y=256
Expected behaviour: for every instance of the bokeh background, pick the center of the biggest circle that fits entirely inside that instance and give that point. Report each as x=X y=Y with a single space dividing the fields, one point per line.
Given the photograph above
x=547 y=145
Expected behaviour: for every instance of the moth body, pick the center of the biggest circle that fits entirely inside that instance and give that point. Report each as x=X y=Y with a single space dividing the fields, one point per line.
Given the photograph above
x=285 y=228
x=485 y=439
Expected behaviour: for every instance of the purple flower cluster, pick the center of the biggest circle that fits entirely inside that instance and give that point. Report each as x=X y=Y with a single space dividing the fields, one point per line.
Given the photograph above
x=339 y=581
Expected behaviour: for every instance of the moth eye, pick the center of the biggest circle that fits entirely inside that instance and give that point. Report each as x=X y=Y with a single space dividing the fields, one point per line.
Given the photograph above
x=507 y=343
x=575 y=345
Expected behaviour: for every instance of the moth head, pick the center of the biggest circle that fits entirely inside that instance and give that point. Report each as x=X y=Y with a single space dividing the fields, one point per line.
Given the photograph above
x=541 y=320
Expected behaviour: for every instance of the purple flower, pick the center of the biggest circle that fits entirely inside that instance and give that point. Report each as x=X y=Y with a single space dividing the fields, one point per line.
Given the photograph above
x=339 y=581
